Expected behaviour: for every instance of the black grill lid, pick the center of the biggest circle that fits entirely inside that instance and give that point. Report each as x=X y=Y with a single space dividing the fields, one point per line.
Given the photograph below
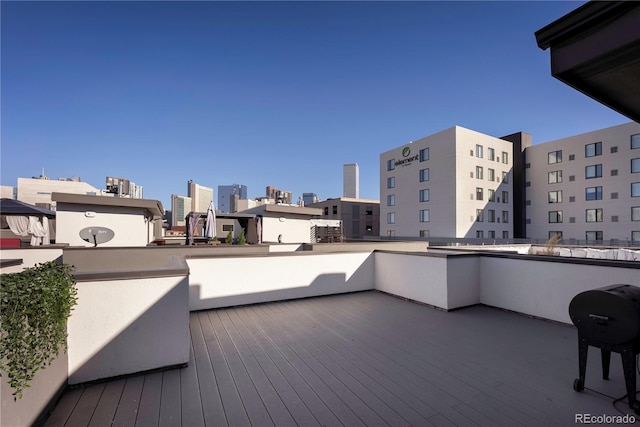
x=609 y=315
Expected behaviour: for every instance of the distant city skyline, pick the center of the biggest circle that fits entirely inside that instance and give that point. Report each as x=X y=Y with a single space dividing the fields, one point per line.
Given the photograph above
x=268 y=92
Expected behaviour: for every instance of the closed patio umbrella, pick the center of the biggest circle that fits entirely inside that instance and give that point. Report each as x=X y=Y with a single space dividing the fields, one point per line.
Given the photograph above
x=210 y=229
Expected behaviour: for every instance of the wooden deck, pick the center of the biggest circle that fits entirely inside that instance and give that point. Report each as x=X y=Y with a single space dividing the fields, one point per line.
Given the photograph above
x=358 y=359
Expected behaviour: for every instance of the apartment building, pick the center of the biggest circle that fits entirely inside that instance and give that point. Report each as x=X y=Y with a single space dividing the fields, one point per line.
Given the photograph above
x=455 y=183
x=585 y=187
x=351 y=180
x=360 y=217
x=37 y=191
x=180 y=208
x=229 y=197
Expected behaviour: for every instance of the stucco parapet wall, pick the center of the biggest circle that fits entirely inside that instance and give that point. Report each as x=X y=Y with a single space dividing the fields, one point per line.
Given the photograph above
x=431 y=253
x=366 y=246
x=10 y=262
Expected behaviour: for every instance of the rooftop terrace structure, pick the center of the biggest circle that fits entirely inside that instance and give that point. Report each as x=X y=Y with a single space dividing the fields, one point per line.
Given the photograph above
x=384 y=333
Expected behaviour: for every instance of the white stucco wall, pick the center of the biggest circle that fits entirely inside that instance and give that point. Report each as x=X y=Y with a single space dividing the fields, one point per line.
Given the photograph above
x=29 y=257
x=129 y=224
x=293 y=230
x=221 y=282
x=126 y=326
x=544 y=289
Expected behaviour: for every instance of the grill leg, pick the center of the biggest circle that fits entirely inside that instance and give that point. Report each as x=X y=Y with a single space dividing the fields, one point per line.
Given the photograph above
x=606 y=362
x=583 y=349
x=628 y=365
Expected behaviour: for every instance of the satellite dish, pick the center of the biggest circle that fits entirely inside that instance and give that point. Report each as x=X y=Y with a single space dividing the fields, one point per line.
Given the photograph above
x=96 y=235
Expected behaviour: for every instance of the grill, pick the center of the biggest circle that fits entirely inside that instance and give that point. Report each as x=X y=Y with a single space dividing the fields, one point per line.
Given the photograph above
x=609 y=318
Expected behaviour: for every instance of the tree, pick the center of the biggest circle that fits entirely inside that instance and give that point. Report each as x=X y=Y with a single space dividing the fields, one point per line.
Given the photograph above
x=242 y=240
x=229 y=239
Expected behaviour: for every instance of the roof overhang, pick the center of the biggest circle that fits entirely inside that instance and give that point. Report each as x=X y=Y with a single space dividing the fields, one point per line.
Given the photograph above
x=154 y=207
x=596 y=50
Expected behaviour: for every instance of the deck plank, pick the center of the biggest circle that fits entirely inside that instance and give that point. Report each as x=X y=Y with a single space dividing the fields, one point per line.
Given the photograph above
x=170 y=412
x=108 y=404
x=212 y=408
x=86 y=406
x=234 y=408
x=253 y=404
x=268 y=394
x=190 y=402
x=321 y=413
x=127 y=411
x=64 y=408
x=149 y=408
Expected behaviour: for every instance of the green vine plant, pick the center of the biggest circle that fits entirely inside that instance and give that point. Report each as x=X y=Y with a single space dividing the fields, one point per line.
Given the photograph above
x=34 y=307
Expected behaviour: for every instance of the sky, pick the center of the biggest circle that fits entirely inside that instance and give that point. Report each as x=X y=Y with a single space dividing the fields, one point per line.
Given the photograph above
x=268 y=93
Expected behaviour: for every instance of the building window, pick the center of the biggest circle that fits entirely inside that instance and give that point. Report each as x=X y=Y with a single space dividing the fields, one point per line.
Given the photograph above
x=555 y=177
x=594 y=215
x=555 y=216
x=492 y=174
x=491 y=154
x=505 y=216
x=505 y=234
x=614 y=195
x=491 y=215
x=227 y=227
x=391 y=182
x=614 y=149
x=527 y=165
x=593 y=171
x=614 y=218
x=391 y=218
x=479 y=234
x=424 y=233
x=553 y=234
x=635 y=141
x=478 y=151
x=424 y=215
x=335 y=210
x=572 y=178
x=635 y=213
x=555 y=157
x=505 y=177
x=505 y=197
x=572 y=157
x=369 y=211
x=527 y=184
x=591 y=150
x=326 y=211
x=478 y=193
x=391 y=164
x=635 y=165
x=593 y=193
x=369 y=228
x=479 y=172
x=572 y=199
x=594 y=235
x=424 y=195
x=424 y=154
x=492 y=195
x=391 y=233
x=635 y=189
x=505 y=157
x=635 y=236
x=555 y=196
x=424 y=175
x=614 y=172
x=527 y=202
x=479 y=215
x=391 y=200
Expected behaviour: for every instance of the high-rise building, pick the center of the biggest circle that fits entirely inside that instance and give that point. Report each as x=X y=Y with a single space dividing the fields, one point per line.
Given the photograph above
x=228 y=195
x=201 y=196
x=122 y=187
x=180 y=208
x=351 y=180
x=280 y=196
x=308 y=198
